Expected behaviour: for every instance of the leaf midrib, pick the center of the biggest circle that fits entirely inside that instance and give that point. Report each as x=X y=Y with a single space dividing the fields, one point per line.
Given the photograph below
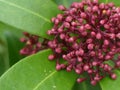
x=24 y=9
x=42 y=81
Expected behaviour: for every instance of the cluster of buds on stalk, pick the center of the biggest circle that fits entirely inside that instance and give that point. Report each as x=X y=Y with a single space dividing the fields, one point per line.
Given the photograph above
x=87 y=37
x=32 y=44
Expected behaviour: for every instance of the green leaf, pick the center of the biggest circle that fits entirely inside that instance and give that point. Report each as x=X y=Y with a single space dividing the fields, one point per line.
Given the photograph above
x=36 y=72
x=109 y=84
x=14 y=46
x=28 y=15
x=67 y=3
x=4 y=60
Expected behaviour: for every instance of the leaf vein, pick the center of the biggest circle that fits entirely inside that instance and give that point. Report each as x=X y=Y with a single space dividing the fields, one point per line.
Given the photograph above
x=42 y=81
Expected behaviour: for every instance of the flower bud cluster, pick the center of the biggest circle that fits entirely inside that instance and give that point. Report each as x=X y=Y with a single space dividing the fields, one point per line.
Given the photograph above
x=87 y=36
x=32 y=44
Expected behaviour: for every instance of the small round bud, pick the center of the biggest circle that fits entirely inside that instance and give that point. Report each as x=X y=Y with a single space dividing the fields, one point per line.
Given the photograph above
x=93 y=82
x=113 y=76
x=94 y=63
x=71 y=39
x=102 y=6
x=87 y=26
x=83 y=15
x=63 y=66
x=118 y=35
x=106 y=42
x=102 y=22
x=86 y=67
x=93 y=34
x=81 y=51
x=75 y=46
x=38 y=45
x=79 y=80
x=90 y=71
x=73 y=23
x=78 y=71
x=53 y=19
x=79 y=59
x=95 y=1
x=58 y=67
x=98 y=36
x=64 y=57
x=51 y=57
x=89 y=9
x=90 y=46
x=69 y=19
x=92 y=53
x=95 y=8
x=49 y=32
x=111 y=4
x=118 y=63
x=73 y=10
x=66 y=24
x=59 y=16
x=112 y=36
x=107 y=57
x=58 y=50
x=84 y=33
x=89 y=40
x=23 y=40
x=106 y=26
x=82 y=28
x=69 y=68
x=61 y=7
x=62 y=36
x=56 y=21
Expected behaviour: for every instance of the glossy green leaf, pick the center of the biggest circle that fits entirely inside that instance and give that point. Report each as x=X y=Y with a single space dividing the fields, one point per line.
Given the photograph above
x=28 y=15
x=36 y=72
x=14 y=46
x=109 y=84
x=67 y=3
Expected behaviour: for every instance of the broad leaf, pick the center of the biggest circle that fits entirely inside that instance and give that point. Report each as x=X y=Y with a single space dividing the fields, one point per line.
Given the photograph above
x=109 y=84
x=28 y=15
x=37 y=73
